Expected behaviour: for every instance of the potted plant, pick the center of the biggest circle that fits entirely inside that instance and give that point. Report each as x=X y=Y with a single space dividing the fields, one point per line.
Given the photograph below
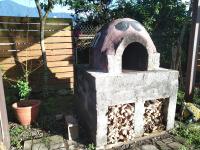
x=26 y=109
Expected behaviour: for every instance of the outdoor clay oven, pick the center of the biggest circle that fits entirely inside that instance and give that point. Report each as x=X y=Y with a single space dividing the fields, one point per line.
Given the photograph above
x=124 y=93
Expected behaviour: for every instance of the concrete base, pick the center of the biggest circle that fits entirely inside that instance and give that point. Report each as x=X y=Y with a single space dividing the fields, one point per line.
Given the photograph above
x=97 y=91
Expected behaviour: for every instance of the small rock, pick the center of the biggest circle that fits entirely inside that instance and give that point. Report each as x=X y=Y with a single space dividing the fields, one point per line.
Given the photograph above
x=72 y=147
x=148 y=147
x=2 y=146
x=70 y=142
x=81 y=146
x=125 y=146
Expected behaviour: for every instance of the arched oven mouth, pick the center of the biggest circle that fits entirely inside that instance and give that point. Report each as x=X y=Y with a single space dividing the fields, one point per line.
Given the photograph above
x=135 y=58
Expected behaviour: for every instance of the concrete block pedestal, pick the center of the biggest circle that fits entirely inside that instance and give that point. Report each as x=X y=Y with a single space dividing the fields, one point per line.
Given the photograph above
x=97 y=91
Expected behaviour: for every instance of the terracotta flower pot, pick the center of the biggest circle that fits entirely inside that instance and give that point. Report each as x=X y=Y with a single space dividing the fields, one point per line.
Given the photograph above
x=26 y=111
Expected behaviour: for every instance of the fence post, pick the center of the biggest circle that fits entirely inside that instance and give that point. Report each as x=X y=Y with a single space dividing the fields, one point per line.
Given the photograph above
x=192 y=52
x=4 y=130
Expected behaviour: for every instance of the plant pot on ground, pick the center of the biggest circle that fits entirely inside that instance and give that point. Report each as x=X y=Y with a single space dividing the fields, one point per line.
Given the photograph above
x=26 y=109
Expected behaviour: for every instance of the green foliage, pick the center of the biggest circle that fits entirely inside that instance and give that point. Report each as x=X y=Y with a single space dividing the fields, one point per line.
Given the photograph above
x=183 y=148
x=191 y=133
x=180 y=97
x=95 y=10
x=48 y=4
x=21 y=85
x=15 y=134
x=196 y=97
x=46 y=140
x=23 y=88
x=91 y=147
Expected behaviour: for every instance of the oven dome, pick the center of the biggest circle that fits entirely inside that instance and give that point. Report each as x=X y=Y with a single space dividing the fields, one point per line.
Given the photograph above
x=123 y=44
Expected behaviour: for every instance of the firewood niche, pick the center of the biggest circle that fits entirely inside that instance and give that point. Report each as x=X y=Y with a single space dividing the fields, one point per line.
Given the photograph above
x=123 y=94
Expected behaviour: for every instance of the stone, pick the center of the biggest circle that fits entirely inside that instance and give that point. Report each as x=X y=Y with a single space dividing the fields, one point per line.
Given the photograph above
x=72 y=127
x=72 y=147
x=167 y=141
x=2 y=146
x=175 y=145
x=70 y=142
x=162 y=145
x=45 y=143
x=148 y=147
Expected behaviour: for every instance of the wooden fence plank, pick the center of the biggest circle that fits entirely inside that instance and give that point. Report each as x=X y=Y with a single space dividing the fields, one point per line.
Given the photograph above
x=5 y=54
x=34 y=20
x=58 y=63
x=33 y=26
x=34 y=33
x=61 y=69
x=35 y=46
x=35 y=39
x=63 y=75
x=49 y=58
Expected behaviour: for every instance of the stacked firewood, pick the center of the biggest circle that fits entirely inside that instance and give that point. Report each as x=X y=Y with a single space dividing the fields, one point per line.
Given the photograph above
x=120 y=123
x=153 y=116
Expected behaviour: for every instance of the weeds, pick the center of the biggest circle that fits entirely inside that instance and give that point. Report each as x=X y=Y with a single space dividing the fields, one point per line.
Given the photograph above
x=15 y=134
x=180 y=97
x=91 y=147
x=191 y=133
x=46 y=140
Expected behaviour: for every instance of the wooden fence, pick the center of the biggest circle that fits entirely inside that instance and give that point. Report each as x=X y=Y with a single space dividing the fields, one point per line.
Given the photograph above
x=19 y=41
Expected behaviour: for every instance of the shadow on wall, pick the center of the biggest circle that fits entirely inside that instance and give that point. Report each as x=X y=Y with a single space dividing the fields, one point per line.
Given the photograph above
x=36 y=77
x=19 y=40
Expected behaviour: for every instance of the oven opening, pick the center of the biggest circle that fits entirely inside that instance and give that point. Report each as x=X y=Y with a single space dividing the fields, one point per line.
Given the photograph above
x=135 y=57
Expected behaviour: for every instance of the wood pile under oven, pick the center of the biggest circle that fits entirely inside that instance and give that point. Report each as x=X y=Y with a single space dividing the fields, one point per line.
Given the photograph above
x=120 y=123
x=153 y=116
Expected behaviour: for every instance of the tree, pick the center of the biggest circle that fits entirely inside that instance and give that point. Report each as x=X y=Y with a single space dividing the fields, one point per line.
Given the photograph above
x=95 y=11
x=44 y=8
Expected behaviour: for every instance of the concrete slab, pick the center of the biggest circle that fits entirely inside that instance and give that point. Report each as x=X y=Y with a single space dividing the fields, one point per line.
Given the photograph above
x=175 y=145
x=148 y=147
x=46 y=143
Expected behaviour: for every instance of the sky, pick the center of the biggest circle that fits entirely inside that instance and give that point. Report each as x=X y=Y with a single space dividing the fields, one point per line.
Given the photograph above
x=57 y=8
x=31 y=3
